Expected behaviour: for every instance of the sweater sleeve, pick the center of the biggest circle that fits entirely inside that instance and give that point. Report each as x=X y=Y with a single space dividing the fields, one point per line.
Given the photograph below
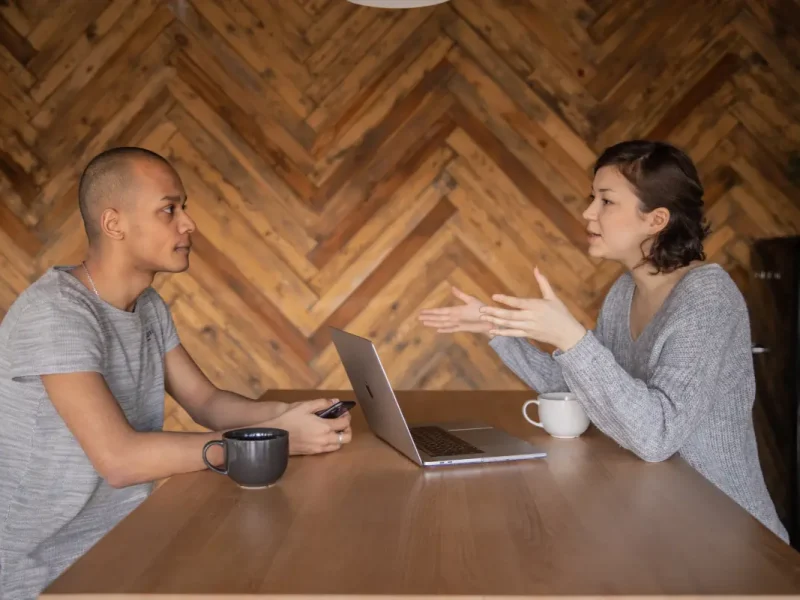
x=535 y=367
x=653 y=418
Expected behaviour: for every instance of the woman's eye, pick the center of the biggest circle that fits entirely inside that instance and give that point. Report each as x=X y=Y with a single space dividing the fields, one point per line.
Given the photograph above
x=606 y=202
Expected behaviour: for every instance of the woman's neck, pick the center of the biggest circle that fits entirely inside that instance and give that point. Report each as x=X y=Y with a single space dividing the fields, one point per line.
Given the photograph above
x=650 y=284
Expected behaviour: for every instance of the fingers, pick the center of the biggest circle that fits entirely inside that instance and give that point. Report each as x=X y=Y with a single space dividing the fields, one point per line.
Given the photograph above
x=512 y=301
x=461 y=295
x=502 y=313
x=430 y=312
x=312 y=406
x=331 y=442
x=438 y=319
x=544 y=285
x=506 y=323
x=339 y=423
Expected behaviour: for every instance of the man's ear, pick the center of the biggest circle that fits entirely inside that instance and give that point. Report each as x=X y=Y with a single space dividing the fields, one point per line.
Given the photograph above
x=657 y=219
x=110 y=224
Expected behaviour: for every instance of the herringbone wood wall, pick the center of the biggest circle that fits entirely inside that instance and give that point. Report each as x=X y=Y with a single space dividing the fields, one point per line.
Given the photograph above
x=346 y=165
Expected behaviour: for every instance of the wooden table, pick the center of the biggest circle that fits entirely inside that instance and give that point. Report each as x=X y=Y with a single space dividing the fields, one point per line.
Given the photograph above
x=589 y=520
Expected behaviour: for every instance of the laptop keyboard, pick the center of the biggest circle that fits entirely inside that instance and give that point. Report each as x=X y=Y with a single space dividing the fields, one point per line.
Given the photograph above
x=435 y=441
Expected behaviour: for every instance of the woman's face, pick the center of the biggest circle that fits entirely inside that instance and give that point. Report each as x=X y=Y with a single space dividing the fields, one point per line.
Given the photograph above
x=616 y=225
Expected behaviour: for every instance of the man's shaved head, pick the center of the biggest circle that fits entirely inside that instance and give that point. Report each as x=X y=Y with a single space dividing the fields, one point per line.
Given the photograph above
x=107 y=181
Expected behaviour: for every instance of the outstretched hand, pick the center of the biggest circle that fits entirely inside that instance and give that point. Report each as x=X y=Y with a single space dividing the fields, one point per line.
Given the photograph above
x=464 y=317
x=545 y=319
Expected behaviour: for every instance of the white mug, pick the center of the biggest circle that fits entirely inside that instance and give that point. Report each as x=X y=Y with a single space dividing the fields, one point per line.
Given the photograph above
x=560 y=413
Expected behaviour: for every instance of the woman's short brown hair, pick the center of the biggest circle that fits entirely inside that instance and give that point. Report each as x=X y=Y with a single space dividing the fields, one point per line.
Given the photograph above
x=664 y=176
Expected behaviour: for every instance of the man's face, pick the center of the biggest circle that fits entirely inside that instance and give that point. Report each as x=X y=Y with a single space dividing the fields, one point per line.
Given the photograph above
x=157 y=225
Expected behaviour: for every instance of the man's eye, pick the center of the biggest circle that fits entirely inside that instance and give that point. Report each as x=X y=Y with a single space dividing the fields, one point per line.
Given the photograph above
x=170 y=209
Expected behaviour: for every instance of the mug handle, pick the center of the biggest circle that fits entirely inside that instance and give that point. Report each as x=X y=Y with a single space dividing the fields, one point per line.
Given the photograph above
x=525 y=413
x=205 y=458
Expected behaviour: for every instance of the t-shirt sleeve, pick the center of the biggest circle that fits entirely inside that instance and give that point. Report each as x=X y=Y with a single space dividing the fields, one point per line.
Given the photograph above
x=169 y=334
x=55 y=337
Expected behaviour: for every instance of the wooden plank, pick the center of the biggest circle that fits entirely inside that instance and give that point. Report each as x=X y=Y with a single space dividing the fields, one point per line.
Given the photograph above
x=15 y=17
x=115 y=82
x=329 y=20
x=279 y=232
x=78 y=25
x=209 y=103
x=347 y=47
x=244 y=303
x=401 y=297
x=705 y=87
x=242 y=31
x=239 y=78
x=15 y=42
x=84 y=59
x=334 y=145
x=276 y=27
x=541 y=87
x=432 y=222
x=521 y=221
x=523 y=179
x=359 y=156
x=751 y=30
x=370 y=68
x=377 y=239
x=754 y=152
x=427 y=145
x=230 y=231
x=698 y=40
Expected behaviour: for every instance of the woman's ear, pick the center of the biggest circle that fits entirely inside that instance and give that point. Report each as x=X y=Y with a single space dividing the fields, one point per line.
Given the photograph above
x=657 y=220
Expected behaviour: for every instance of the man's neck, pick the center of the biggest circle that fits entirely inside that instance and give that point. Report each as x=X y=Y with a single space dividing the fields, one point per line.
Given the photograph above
x=117 y=283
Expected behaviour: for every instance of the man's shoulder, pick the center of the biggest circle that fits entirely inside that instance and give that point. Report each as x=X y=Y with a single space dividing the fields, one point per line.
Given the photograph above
x=51 y=294
x=152 y=298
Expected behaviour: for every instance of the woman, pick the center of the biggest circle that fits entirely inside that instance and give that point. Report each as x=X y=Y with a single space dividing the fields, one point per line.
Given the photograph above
x=668 y=368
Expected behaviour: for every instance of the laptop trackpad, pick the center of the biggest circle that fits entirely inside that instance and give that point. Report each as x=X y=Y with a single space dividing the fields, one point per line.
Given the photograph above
x=491 y=440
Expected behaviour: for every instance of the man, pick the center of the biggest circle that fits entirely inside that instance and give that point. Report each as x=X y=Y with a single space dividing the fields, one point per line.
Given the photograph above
x=86 y=354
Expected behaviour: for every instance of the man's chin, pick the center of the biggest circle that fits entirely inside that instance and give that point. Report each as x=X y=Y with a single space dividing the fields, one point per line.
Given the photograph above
x=176 y=266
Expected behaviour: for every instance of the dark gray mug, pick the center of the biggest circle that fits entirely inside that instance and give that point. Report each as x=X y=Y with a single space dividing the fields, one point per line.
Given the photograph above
x=255 y=457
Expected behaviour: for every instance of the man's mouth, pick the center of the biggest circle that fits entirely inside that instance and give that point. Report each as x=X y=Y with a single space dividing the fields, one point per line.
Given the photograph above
x=183 y=248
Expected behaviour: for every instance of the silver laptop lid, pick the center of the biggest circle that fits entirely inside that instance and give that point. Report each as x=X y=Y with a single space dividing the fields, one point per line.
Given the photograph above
x=374 y=391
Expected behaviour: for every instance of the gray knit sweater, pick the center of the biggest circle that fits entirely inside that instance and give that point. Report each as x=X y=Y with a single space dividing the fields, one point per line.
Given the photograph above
x=686 y=385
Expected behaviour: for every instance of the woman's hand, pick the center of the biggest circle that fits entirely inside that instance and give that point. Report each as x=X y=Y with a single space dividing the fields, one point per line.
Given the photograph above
x=466 y=317
x=545 y=320
x=310 y=434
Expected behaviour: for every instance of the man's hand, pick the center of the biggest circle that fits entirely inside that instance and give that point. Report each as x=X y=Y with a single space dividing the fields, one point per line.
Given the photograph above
x=544 y=319
x=310 y=434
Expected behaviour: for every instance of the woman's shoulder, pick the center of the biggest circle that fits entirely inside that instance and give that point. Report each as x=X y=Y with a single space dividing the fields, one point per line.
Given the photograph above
x=704 y=288
x=708 y=286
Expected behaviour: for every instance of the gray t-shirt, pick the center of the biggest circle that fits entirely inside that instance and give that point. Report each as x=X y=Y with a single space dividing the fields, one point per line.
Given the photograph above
x=53 y=504
x=685 y=386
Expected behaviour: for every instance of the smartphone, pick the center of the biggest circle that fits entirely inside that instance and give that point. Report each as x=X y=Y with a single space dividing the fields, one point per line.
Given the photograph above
x=337 y=410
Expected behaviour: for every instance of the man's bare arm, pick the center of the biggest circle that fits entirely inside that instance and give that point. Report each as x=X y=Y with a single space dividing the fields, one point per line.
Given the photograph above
x=120 y=454
x=208 y=405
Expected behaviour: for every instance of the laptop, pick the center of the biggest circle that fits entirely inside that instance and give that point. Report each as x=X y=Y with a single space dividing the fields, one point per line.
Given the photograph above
x=427 y=444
